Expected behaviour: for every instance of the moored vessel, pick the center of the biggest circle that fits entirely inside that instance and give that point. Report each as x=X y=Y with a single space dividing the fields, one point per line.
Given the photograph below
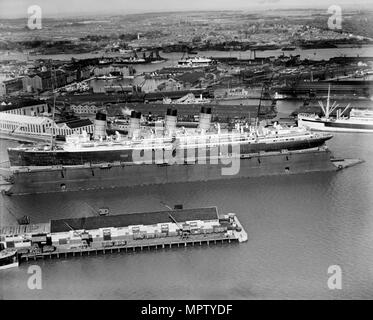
x=159 y=141
x=194 y=62
x=8 y=258
x=358 y=120
x=166 y=153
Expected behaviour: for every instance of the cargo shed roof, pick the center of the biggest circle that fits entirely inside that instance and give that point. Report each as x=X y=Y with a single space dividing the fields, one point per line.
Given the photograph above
x=25 y=229
x=125 y=220
x=21 y=119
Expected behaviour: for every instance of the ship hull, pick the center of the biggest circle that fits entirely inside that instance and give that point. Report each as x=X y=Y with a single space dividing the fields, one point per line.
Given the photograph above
x=80 y=178
x=22 y=158
x=335 y=126
x=9 y=266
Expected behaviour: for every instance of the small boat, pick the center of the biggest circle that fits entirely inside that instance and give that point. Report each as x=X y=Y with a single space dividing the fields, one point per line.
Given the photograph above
x=125 y=51
x=105 y=77
x=195 y=62
x=8 y=258
x=134 y=60
x=288 y=48
x=187 y=99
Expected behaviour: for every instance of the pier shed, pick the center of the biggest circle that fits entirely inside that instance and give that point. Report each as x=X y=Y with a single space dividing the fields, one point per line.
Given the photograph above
x=125 y=220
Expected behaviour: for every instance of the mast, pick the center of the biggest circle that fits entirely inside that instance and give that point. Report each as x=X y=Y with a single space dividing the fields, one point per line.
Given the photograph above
x=328 y=110
x=266 y=85
x=328 y=104
x=54 y=106
x=260 y=103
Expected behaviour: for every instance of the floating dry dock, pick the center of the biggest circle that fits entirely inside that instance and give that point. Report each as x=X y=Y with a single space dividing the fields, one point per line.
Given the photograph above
x=127 y=232
x=34 y=180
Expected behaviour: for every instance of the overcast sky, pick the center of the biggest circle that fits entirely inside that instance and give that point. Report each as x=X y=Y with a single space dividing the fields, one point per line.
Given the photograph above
x=18 y=8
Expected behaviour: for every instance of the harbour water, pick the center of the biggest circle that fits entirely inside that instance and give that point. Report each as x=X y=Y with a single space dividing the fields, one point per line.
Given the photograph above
x=173 y=57
x=298 y=226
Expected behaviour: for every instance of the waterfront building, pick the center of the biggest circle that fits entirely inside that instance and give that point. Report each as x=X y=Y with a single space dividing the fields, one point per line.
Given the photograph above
x=11 y=87
x=25 y=125
x=43 y=81
x=84 y=108
x=191 y=79
x=41 y=126
x=25 y=108
x=106 y=69
x=170 y=85
x=74 y=126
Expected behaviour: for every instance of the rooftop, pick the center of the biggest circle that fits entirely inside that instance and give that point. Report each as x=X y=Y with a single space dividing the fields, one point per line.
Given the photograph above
x=191 y=77
x=77 y=123
x=19 y=103
x=125 y=220
x=25 y=229
x=23 y=119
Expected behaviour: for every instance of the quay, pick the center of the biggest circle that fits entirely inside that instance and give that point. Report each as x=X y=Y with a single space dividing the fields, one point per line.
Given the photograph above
x=122 y=233
x=141 y=246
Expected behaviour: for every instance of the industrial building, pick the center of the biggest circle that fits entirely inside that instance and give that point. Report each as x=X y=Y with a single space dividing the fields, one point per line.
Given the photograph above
x=84 y=108
x=41 y=126
x=36 y=108
x=11 y=86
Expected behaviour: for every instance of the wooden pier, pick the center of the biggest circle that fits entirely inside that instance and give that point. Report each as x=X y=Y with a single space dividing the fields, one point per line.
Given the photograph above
x=139 y=246
x=129 y=233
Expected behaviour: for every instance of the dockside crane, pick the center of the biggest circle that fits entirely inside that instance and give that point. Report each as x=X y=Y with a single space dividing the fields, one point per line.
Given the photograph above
x=185 y=232
x=265 y=86
x=17 y=128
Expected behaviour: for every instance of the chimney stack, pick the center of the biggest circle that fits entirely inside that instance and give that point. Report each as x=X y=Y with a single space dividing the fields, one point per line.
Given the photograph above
x=99 y=126
x=205 y=119
x=171 y=120
x=134 y=124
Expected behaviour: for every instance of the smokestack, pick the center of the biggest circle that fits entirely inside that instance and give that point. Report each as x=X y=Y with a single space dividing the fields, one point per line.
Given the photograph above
x=134 y=123
x=171 y=120
x=205 y=119
x=99 y=126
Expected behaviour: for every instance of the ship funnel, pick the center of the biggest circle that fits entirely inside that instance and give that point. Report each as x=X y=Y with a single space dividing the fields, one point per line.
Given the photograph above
x=134 y=123
x=205 y=119
x=171 y=120
x=99 y=126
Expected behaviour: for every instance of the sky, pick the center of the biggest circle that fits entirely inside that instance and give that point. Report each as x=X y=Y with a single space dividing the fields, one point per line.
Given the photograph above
x=66 y=8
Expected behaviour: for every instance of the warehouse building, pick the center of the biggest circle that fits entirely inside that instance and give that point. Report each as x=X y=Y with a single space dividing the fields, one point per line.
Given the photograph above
x=42 y=126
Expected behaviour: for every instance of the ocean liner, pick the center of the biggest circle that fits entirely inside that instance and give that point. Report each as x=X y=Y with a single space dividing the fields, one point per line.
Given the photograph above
x=164 y=154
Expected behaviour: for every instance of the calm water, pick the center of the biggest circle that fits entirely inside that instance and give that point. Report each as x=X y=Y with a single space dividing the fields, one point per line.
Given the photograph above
x=298 y=226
